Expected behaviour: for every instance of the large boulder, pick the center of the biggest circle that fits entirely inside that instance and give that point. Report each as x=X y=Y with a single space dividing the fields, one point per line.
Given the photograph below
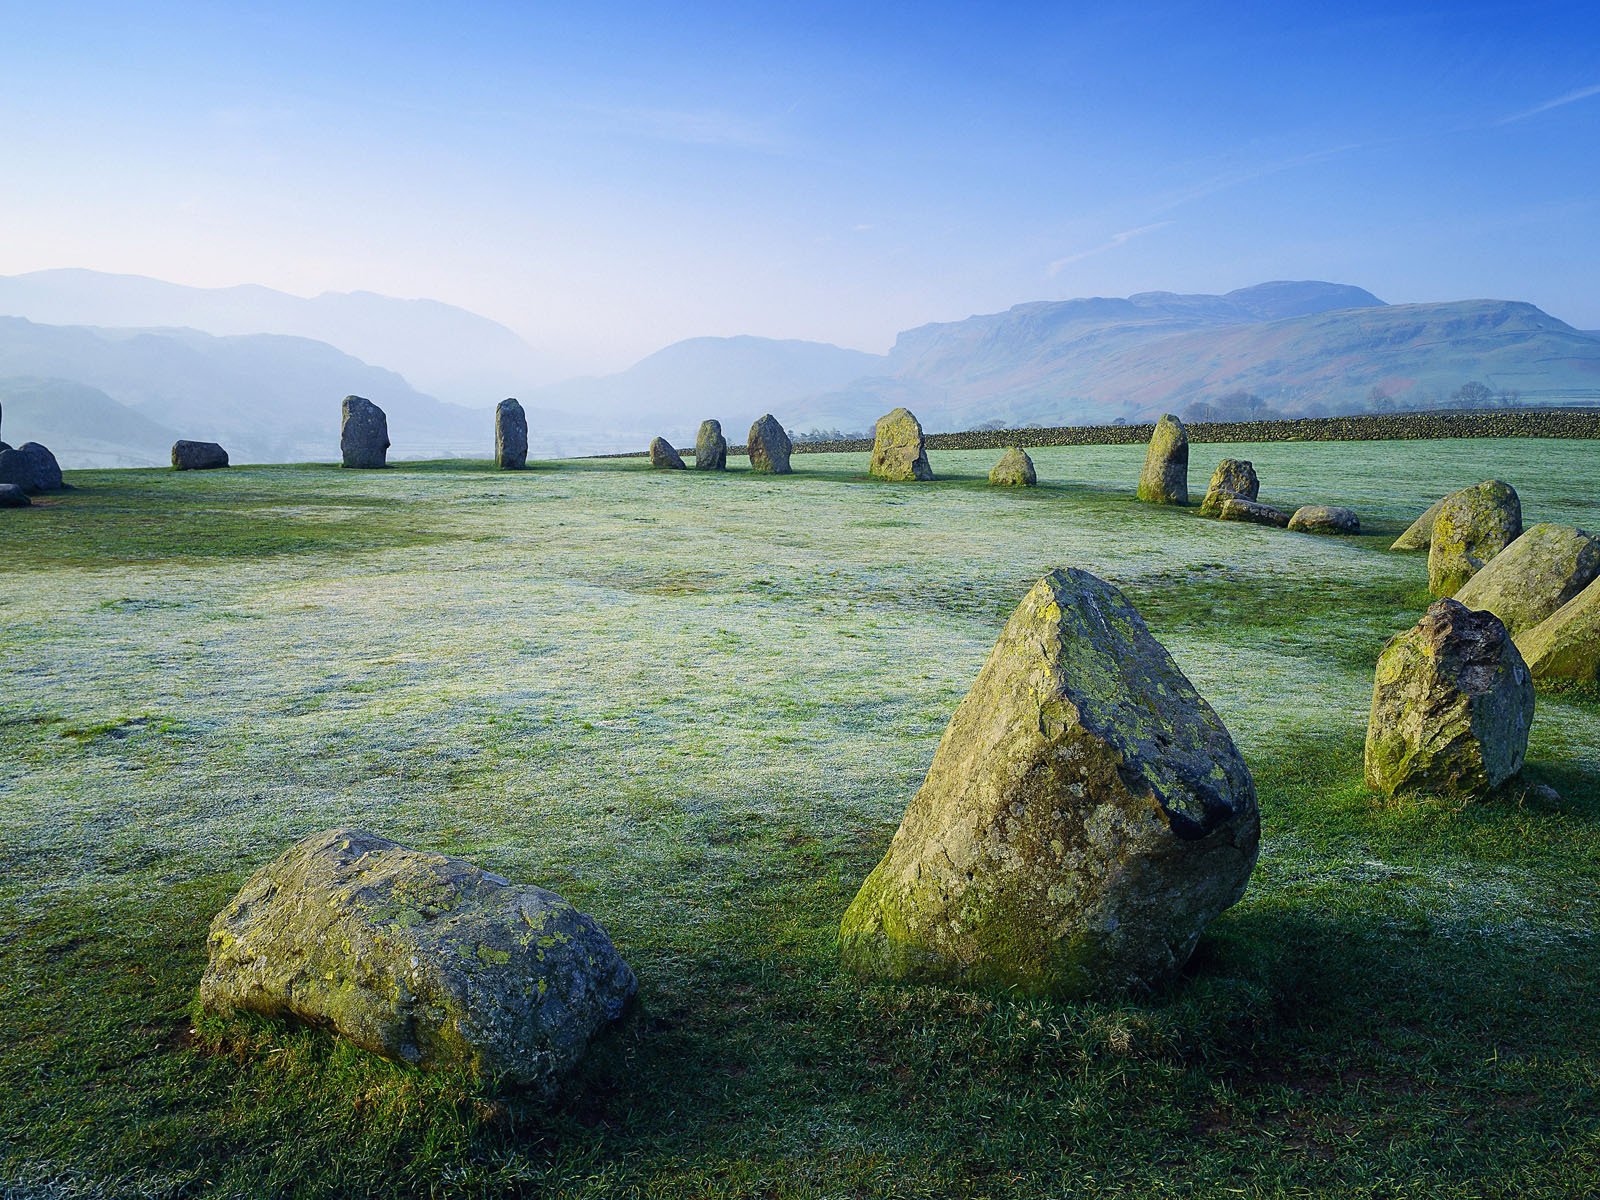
x=1533 y=576
x=664 y=456
x=1015 y=469
x=710 y=447
x=1566 y=644
x=1419 y=534
x=1325 y=518
x=1452 y=702
x=510 y=436
x=1086 y=816
x=1165 y=478
x=1233 y=477
x=899 y=451
x=31 y=467
x=11 y=496
x=363 y=434
x=1237 y=508
x=198 y=456
x=768 y=446
x=1470 y=528
x=422 y=958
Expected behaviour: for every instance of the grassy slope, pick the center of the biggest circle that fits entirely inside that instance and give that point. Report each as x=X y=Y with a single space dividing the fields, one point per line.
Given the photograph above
x=696 y=706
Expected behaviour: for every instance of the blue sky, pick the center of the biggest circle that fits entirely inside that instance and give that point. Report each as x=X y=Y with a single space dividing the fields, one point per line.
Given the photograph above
x=608 y=178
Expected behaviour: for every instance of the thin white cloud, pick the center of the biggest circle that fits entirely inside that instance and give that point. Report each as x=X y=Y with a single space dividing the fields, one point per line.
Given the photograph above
x=1571 y=97
x=1117 y=239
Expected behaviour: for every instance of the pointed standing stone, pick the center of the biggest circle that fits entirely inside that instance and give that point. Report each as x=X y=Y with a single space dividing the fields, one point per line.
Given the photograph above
x=664 y=456
x=899 y=450
x=363 y=434
x=768 y=447
x=710 y=447
x=510 y=436
x=1165 y=478
x=1015 y=469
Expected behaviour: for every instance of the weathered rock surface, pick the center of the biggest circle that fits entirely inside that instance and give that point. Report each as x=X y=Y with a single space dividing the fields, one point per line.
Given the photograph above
x=768 y=446
x=363 y=434
x=1451 y=706
x=1533 y=576
x=1470 y=528
x=664 y=456
x=1236 y=508
x=11 y=496
x=510 y=436
x=1233 y=477
x=422 y=958
x=198 y=456
x=31 y=467
x=1165 y=478
x=1015 y=469
x=710 y=447
x=1566 y=644
x=899 y=450
x=1325 y=518
x=1419 y=534
x=1085 y=817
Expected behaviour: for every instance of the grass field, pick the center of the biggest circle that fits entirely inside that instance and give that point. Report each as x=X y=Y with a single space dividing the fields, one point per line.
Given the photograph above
x=696 y=706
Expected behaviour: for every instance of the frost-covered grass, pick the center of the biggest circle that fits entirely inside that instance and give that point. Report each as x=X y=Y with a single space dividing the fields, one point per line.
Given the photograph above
x=696 y=706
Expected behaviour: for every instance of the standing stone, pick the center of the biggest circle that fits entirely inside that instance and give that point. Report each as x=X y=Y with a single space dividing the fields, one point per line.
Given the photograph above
x=1086 y=816
x=664 y=456
x=1535 y=575
x=1237 y=508
x=1566 y=644
x=1451 y=706
x=899 y=451
x=1472 y=526
x=1165 y=478
x=768 y=446
x=1233 y=477
x=1015 y=469
x=11 y=496
x=31 y=467
x=422 y=958
x=198 y=456
x=710 y=447
x=364 y=434
x=1325 y=518
x=1419 y=534
x=510 y=436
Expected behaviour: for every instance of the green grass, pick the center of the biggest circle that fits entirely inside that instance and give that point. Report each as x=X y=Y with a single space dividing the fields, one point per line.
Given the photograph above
x=696 y=706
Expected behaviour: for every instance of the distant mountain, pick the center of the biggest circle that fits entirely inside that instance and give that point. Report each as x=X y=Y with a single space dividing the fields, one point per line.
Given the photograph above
x=82 y=425
x=443 y=350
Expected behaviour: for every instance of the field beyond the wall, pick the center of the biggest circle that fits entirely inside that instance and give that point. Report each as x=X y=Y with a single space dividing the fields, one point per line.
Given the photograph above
x=696 y=706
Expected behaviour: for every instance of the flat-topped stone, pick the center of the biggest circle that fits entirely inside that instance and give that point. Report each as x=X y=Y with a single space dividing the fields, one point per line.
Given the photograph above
x=198 y=456
x=1236 y=508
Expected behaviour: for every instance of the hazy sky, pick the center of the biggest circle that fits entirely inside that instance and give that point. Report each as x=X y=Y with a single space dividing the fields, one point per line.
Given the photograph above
x=606 y=179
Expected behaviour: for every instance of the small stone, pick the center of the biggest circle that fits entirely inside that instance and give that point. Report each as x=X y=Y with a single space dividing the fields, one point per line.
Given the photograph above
x=710 y=447
x=363 y=434
x=768 y=446
x=421 y=958
x=1452 y=703
x=1325 y=518
x=1234 y=508
x=1233 y=477
x=1419 y=534
x=11 y=496
x=1015 y=469
x=1165 y=478
x=198 y=456
x=1085 y=817
x=1471 y=527
x=510 y=436
x=1533 y=576
x=664 y=457
x=1566 y=644
x=899 y=450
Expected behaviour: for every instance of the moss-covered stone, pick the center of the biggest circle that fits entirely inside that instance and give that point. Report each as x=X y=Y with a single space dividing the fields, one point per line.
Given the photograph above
x=664 y=456
x=1452 y=702
x=1566 y=644
x=1533 y=576
x=1470 y=528
x=1165 y=478
x=1419 y=534
x=422 y=958
x=1085 y=817
x=1233 y=477
x=710 y=447
x=899 y=450
x=1015 y=469
x=1325 y=518
x=768 y=446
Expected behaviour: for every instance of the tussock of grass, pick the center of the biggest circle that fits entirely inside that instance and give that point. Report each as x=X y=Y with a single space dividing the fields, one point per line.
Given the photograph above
x=697 y=706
